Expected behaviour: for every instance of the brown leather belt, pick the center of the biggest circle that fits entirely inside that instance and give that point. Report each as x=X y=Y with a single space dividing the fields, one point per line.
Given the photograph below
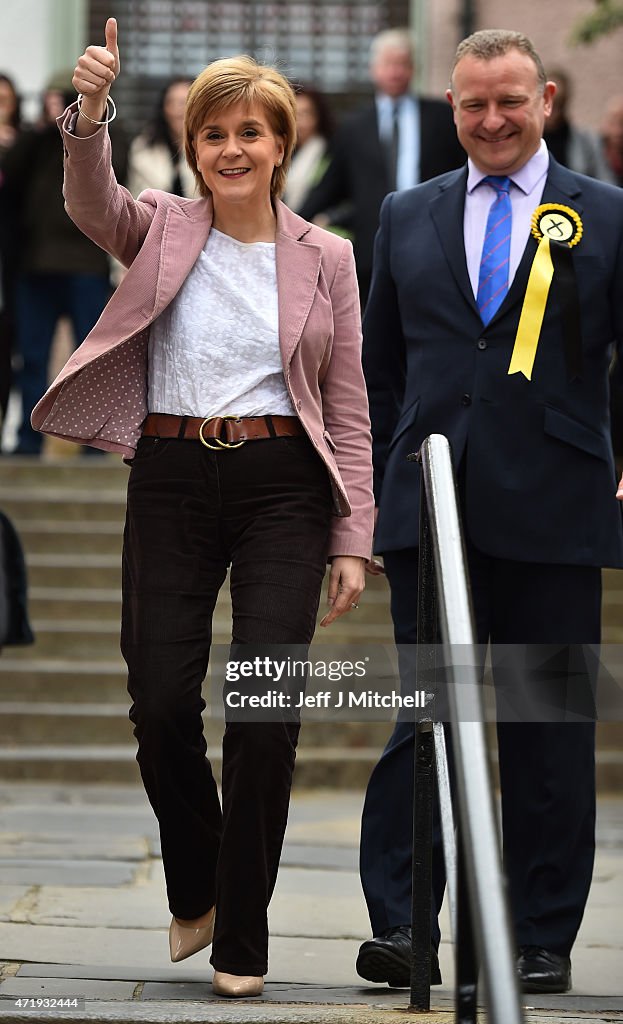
x=218 y=432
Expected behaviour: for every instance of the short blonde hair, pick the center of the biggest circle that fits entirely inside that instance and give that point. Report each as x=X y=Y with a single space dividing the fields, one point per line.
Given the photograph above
x=223 y=84
x=497 y=42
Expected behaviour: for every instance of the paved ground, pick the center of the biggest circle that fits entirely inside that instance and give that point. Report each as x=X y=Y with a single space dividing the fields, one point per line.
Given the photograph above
x=83 y=915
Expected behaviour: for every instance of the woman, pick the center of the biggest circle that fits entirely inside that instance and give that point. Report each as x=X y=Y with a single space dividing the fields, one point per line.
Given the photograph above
x=156 y=158
x=313 y=130
x=237 y=325
x=10 y=116
x=10 y=128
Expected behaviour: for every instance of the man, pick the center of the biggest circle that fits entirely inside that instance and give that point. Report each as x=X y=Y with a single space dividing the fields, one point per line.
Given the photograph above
x=535 y=469
x=612 y=137
x=393 y=143
x=574 y=147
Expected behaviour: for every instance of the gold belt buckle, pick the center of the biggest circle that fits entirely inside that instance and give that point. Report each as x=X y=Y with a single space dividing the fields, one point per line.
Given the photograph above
x=219 y=444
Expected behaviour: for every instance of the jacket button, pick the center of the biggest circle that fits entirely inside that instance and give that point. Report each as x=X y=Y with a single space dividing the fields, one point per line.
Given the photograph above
x=482 y=344
x=466 y=399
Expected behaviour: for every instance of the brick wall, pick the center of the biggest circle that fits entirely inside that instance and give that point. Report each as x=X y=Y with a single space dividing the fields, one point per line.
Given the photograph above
x=596 y=70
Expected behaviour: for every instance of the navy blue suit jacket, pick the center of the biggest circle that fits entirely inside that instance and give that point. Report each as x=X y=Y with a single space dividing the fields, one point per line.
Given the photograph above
x=540 y=480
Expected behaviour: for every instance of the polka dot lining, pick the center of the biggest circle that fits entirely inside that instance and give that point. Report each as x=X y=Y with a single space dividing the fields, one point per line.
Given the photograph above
x=107 y=399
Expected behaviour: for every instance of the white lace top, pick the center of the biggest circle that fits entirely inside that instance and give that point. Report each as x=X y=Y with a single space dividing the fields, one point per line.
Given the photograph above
x=215 y=349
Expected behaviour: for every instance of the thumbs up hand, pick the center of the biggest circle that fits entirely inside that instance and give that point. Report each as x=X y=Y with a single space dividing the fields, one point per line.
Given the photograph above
x=95 y=72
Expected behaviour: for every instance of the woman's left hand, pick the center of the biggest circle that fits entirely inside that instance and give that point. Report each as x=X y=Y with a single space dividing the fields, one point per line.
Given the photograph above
x=346 y=582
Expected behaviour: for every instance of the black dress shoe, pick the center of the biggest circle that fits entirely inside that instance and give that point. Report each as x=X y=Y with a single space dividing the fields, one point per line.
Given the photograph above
x=539 y=970
x=387 y=957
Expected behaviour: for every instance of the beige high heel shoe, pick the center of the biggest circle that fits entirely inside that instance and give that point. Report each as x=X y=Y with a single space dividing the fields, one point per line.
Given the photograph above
x=236 y=986
x=184 y=941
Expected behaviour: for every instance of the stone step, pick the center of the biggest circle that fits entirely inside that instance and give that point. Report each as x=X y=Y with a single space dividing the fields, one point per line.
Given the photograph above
x=74 y=570
x=97 y=639
x=62 y=679
x=100 y=471
x=335 y=767
x=74 y=603
x=100 y=569
x=45 y=723
x=331 y=767
x=85 y=638
x=612 y=631
x=26 y=675
x=66 y=603
x=609 y=735
x=66 y=503
x=57 y=536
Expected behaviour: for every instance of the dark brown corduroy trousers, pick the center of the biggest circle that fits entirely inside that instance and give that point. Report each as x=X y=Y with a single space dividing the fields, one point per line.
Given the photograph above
x=265 y=511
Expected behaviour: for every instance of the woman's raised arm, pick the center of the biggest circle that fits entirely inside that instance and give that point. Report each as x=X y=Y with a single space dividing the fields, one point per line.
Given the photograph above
x=94 y=74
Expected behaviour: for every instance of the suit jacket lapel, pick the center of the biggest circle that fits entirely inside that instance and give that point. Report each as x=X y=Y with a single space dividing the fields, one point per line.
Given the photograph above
x=185 y=234
x=298 y=268
x=447 y=209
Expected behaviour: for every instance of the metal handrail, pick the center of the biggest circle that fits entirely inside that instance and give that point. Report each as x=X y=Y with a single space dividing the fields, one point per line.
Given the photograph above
x=479 y=854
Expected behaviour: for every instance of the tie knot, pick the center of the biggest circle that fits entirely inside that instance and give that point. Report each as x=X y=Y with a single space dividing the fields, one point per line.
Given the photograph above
x=497 y=182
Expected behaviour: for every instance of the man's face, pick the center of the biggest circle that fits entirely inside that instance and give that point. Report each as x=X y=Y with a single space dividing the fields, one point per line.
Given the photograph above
x=392 y=71
x=499 y=110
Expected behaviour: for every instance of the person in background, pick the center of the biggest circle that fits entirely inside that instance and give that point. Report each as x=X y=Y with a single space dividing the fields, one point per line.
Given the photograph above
x=314 y=128
x=14 y=625
x=575 y=148
x=61 y=272
x=10 y=127
x=392 y=143
x=156 y=157
x=227 y=367
x=10 y=113
x=612 y=137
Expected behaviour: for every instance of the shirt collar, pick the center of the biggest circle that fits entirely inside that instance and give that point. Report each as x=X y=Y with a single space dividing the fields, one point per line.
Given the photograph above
x=526 y=178
x=385 y=104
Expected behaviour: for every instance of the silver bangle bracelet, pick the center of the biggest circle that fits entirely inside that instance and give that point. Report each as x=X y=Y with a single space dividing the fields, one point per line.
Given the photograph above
x=113 y=112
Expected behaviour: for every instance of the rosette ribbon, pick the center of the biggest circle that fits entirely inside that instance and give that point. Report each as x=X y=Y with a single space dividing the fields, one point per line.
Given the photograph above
x=557 y=229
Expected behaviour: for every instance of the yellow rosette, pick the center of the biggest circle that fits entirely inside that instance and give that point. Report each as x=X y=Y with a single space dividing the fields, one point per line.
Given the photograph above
x=551 y=224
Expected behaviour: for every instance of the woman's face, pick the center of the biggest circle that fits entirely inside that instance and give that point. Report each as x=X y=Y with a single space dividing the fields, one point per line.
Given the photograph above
x=174 y=106
x=237 y=152
x=7 y=103
x=306 y=120
x=53 y=104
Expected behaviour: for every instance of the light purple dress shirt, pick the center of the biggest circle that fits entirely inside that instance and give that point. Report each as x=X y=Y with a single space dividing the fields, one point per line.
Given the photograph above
x=527 y=186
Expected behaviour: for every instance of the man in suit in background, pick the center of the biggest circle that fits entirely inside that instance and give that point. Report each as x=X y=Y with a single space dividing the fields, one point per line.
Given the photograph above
x=576 y=148
x=392 y=143
x=442 y=347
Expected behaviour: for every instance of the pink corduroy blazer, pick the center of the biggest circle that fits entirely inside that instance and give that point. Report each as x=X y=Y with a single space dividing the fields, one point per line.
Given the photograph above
x=100 y=396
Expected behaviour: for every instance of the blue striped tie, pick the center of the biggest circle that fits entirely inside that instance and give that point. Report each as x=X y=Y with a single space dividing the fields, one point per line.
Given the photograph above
x=496 y=250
